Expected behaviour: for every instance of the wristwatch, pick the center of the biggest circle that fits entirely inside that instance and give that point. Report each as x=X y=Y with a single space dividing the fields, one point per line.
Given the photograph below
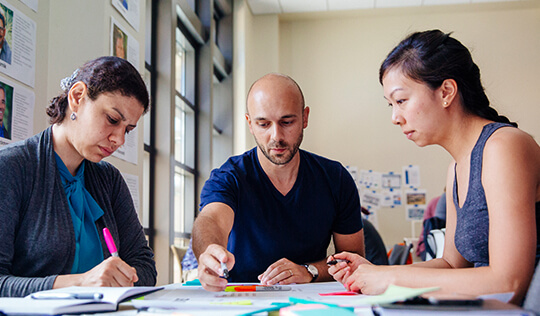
x=313 y=271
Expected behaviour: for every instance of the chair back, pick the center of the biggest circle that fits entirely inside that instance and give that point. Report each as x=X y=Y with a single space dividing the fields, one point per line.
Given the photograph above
x=400 y=254
x=178 y=254
x=435 y=244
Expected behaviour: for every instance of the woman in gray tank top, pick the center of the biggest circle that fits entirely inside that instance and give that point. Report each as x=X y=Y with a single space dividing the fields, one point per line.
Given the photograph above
x=493 y=184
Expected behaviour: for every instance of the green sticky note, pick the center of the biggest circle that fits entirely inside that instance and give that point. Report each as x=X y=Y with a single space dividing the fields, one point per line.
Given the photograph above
x=395 y=293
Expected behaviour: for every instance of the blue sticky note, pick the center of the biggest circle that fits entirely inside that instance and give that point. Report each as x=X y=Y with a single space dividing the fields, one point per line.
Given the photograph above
x=195 y=282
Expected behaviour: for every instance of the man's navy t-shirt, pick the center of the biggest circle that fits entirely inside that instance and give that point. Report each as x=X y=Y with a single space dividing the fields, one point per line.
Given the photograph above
x=269 y=226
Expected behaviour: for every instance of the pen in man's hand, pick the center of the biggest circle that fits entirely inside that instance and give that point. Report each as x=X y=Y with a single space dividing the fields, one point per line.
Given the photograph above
x=225 y=270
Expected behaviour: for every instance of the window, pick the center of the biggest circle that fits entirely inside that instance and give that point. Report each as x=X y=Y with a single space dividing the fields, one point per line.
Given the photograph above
x=149 y=118
x=179 y=145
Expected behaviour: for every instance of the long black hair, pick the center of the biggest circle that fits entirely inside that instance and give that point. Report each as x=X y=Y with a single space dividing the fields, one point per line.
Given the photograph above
x=431 y=57
x=101 y=75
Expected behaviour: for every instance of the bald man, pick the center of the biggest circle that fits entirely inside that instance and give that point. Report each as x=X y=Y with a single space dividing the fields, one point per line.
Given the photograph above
x=269 y=213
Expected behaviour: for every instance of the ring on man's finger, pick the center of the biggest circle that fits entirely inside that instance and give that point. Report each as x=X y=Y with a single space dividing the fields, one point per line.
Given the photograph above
x=290 y=271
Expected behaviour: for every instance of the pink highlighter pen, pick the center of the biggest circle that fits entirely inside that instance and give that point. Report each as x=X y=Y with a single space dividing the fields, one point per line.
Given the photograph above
x=110 y=242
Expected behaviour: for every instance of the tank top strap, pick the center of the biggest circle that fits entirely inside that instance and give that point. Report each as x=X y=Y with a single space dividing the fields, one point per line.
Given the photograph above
x=475 y=173
x=477 y=153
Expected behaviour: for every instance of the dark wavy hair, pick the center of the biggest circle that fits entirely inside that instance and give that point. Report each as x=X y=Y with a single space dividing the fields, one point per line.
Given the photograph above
x=101 y=75
x=431 y=57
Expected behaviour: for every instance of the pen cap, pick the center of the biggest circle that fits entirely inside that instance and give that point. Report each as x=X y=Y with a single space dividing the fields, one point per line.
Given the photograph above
x=109 y=240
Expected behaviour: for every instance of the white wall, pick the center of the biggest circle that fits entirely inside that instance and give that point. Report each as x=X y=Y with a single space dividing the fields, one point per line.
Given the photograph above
x=335 y=58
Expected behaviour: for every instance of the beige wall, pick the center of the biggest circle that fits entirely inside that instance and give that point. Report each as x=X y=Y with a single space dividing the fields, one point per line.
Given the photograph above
x=69 y=33
x=335 y=58
x=256 y=44
x=80 y=31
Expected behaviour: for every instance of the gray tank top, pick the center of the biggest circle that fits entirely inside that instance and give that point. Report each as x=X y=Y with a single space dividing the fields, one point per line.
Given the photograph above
x=472 y=227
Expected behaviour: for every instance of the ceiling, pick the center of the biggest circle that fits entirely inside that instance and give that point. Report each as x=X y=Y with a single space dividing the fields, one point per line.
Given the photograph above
x=296 y=6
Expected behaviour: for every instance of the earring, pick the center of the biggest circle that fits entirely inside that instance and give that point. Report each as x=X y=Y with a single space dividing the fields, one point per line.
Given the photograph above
x=445 y=103
x=73 y=116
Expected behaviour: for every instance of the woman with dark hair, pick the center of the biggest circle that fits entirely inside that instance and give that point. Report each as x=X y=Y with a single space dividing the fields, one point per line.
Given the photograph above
x=493 y=184
x=57 y=194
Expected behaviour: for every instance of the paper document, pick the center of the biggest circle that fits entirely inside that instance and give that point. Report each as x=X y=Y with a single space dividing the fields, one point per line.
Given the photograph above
x=110 y=298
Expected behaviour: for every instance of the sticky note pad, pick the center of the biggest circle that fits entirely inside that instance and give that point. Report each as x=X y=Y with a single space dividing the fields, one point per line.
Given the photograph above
x=195 y=282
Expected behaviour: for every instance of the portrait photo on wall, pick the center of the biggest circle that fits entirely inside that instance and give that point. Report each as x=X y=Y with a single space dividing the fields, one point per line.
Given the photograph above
x=6 y=27
x=6 y=110
x=119 y=42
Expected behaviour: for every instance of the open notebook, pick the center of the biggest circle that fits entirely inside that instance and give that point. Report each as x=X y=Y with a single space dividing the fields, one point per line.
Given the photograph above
x=111 y=297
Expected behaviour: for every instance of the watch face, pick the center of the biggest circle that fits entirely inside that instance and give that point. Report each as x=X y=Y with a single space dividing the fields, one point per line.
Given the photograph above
x=313 y=270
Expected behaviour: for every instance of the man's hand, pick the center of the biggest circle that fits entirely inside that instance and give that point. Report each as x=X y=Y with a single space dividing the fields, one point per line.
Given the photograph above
x=284 y=271
x=210 y=272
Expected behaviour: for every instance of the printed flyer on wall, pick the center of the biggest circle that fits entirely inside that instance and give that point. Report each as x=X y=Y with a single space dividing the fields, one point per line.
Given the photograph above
x=130 y=10
x=16 y=112
x=17 y=45
x=123 y=44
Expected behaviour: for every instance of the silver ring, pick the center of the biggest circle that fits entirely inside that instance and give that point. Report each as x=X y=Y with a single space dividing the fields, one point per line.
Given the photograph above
x=290 y=271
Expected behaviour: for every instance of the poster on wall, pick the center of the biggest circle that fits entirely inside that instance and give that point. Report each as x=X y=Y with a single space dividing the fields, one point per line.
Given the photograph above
x=391 y=181
x=411 y=176
x=132 y=182
x=415 y=204
x=391 y=198
x=17 y=45
x=415 y=213
x=16 y=112
x=370 y=179
x=123 y=44
x=371 y=200
x=130 y=10
x=416 y=197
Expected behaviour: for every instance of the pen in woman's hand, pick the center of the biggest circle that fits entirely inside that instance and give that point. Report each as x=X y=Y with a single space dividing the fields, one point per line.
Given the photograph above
x=110 y=242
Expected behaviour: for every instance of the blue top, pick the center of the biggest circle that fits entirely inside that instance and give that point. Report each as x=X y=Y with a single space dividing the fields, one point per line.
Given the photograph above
x=269 y=226
x=472 y=227
x=84 y=213
x=37 y=241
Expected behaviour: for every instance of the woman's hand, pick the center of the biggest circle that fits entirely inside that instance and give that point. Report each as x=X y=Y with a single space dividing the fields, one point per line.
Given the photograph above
x=113 y=272
x=348 y=263
x=370 y=279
